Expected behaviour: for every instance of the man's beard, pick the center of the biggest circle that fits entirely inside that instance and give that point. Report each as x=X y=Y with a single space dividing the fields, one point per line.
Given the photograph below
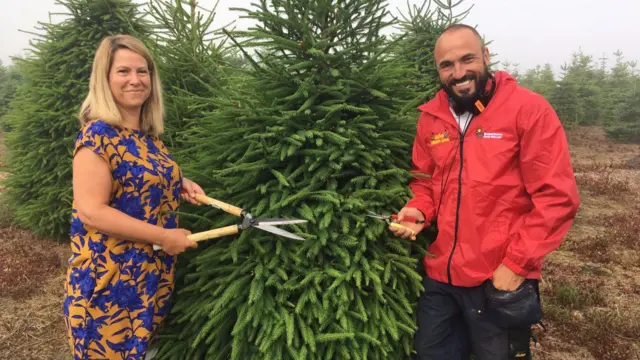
x=462 y=104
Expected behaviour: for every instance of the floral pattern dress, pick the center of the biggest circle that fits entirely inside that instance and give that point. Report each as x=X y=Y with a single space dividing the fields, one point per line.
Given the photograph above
x=117 y=292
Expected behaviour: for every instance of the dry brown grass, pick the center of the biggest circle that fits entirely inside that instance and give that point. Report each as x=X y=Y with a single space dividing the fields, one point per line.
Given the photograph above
x=591 y=285
x=31 y=278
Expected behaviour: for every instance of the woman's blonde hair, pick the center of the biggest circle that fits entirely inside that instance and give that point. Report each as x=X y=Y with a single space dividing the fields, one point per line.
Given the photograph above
x=99 y=103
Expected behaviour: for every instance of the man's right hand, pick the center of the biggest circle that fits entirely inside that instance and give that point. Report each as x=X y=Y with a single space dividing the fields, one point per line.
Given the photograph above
x=406 y=233
x=175 y=241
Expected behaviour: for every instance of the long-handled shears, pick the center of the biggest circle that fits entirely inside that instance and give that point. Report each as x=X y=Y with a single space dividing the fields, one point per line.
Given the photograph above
x=247 y=222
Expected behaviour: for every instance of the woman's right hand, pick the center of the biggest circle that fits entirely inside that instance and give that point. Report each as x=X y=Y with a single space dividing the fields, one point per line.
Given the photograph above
x=175 y=241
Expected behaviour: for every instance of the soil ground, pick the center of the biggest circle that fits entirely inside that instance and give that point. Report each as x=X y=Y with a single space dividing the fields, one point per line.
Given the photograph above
x=590 y=287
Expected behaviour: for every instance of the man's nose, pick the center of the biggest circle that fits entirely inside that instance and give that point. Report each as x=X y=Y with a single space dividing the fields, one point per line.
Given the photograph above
x=459 y=71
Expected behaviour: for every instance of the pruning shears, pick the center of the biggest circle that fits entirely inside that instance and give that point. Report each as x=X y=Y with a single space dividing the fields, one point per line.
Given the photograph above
x=248 y=221
x=392 y=220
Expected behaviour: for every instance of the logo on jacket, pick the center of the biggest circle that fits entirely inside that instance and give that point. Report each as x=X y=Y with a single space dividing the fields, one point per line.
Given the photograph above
x=439 y=138
x=481 y=134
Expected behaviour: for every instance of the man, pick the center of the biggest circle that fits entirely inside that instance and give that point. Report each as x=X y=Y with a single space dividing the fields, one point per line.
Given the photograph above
x=500 y=186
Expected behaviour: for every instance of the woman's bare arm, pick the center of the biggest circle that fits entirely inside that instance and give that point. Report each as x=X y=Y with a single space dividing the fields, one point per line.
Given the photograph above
x=92 y=183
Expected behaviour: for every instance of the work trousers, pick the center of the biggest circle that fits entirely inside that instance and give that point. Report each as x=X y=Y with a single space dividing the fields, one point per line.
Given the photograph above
x=452 y=325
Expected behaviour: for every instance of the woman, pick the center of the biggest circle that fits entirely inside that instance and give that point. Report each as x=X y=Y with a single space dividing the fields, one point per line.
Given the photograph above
x=126 y=187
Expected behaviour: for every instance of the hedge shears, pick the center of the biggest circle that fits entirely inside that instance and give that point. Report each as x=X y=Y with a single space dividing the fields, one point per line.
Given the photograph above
x=248 y=221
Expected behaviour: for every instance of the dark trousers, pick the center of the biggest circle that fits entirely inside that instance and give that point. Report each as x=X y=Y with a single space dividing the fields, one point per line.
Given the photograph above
x=452 y=326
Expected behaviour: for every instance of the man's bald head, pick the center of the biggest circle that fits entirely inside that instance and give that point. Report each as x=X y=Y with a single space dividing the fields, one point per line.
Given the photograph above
x=461 y=60
x=462 y=27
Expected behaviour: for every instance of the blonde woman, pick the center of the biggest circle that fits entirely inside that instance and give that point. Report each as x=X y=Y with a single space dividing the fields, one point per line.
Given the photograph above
x=118 y=289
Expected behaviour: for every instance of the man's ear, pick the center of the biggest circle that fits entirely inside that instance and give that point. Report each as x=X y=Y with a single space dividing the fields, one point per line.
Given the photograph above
x=486 y=56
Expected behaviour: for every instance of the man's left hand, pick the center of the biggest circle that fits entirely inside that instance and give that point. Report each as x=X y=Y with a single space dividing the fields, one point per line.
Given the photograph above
x=505 y=279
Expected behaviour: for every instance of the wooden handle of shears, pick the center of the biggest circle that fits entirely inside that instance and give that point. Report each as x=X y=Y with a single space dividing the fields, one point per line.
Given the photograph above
x=233 y=210
x=209 y=234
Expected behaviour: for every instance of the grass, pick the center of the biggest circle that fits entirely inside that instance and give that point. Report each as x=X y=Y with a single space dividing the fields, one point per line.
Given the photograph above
x=591 y=285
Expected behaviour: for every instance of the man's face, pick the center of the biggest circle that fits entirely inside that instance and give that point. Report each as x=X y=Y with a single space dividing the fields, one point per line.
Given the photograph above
x=461 y=63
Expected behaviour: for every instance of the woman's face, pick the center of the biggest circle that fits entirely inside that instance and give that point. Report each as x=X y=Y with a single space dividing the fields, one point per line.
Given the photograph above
x=129 y=79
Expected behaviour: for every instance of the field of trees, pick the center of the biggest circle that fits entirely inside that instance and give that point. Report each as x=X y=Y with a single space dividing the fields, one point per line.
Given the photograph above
x=305 y=117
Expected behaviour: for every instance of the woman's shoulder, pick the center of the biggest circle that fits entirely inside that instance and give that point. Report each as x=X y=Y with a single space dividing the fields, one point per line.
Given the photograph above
x=98 y=128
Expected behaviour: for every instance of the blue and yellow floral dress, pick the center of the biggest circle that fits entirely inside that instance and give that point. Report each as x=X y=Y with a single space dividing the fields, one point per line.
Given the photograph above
x=119 y=291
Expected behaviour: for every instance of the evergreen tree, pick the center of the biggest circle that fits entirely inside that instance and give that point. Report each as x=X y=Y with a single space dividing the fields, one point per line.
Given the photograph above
x=626 y=126
x=43 y=115
x=540 y=79
x=583 y=105
x=512 y=69
x=566 y=101
x=9 y=81
x=617 y=89
x=317 y=133
x=191 y=61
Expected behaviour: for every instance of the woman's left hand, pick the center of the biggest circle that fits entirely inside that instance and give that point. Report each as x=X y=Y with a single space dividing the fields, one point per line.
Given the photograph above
x=189 y=190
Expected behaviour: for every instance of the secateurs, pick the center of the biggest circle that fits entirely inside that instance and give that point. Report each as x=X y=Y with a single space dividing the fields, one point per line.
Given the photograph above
x=247 y=222
x=392 y=221
x=394 y=217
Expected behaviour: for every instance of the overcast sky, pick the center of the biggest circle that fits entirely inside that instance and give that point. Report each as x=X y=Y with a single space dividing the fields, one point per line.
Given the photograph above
x=523 y=31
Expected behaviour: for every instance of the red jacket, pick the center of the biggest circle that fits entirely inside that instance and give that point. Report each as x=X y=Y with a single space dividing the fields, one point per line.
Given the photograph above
x=506 y=194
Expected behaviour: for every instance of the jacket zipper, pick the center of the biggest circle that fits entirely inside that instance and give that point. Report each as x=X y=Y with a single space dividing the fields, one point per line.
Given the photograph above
x=455 y=234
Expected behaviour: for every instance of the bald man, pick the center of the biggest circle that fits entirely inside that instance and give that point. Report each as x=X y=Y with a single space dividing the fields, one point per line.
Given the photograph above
x=500 y=187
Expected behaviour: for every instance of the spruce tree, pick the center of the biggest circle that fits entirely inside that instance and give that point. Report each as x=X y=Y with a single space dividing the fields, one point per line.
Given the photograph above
x=317 y=133
x=192 y=62
x=43 y=115
x=626 y=126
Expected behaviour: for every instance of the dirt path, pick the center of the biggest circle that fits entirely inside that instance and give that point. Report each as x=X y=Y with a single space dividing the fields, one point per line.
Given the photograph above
x=591 y=285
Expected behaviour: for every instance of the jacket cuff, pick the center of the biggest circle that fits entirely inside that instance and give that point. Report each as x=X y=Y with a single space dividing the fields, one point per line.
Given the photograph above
x=425 y=209
x=515 y=267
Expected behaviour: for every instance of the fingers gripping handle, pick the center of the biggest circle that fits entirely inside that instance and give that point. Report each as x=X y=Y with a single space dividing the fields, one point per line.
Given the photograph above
x=413 y=233
x=210 y=234
x=233 y=210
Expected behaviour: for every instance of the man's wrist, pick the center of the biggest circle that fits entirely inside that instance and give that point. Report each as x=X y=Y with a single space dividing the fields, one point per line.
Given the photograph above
x=517 y=269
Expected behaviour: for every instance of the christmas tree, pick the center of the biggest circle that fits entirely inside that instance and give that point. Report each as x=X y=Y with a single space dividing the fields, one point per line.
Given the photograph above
x=43 y=116
x=316 y=133
x=192 y=65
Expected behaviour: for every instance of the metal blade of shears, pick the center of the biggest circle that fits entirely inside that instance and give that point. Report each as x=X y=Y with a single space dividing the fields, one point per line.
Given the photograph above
x=280 y=221
x=377 y=216
x=278 y=231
